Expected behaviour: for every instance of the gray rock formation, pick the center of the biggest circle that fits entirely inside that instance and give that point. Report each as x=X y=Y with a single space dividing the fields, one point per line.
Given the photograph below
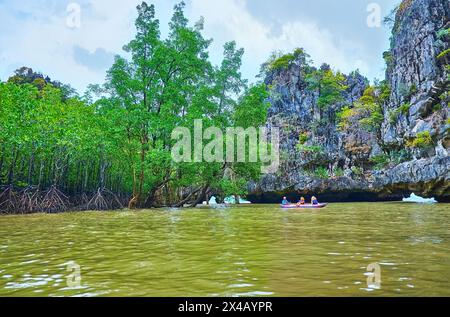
x=318 y=157
x=416 y=76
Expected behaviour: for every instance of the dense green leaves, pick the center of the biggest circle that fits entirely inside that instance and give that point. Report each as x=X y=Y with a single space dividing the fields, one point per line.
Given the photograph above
x=330 y=86
x=366 y=112
x=117 y=137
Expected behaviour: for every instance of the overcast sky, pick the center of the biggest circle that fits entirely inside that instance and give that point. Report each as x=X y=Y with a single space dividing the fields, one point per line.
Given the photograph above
x=35 y=33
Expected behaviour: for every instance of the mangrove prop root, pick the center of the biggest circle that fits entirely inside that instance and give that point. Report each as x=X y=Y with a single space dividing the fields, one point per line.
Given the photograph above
x=8 y=200
x=54 y=201
x=84 y=199
x=29 y=200
x=104 y=199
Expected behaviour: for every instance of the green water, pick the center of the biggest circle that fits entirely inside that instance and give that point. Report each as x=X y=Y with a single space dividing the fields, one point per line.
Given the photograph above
x=240 y=251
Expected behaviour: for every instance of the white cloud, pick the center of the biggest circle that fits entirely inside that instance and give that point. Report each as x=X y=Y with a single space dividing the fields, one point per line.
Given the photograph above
x=324 y=46
x=230 y=20
x=34 y=33
x=41 y=39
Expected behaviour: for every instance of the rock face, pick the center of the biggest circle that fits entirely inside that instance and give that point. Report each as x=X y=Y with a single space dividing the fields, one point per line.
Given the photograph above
x=416 y=75
x=318 y=156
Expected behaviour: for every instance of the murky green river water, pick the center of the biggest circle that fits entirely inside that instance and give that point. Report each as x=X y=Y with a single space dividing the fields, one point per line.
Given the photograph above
x=241 y=251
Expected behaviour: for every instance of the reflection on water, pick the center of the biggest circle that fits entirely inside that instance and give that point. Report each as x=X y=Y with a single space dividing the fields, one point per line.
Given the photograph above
x=240 y=251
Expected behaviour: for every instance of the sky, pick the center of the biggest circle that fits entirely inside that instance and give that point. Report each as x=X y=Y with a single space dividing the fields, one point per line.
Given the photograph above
x=52 y=38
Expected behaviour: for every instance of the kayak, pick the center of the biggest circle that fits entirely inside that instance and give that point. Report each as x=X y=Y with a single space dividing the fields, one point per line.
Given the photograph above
x=308 y=206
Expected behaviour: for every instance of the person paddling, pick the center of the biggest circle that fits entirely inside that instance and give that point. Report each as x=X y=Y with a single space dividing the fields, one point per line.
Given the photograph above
x=314 y=201
x=301 y=202
x=285 y=201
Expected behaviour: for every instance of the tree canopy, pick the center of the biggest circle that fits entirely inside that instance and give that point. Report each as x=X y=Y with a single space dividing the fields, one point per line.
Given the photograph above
x=112 y=147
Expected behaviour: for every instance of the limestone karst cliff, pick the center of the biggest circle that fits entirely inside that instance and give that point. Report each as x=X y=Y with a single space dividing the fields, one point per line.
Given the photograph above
x=341 y=136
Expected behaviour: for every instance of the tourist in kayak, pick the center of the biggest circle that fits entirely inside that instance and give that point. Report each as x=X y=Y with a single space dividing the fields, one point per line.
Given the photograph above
x=285 y=201
x=314 y=201
x=301 y=202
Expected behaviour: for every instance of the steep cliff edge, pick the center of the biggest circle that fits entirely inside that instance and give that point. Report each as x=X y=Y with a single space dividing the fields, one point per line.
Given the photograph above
x=340 y=135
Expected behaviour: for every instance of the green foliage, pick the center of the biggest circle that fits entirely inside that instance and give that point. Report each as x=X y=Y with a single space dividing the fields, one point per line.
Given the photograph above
x=444 y=96
x=54 y=134
x=358 y=171
x=344 y=117
x=437 y=107
x=181 y=86
x=329 y=85
x=123 y=140
x=388 y=59
x=422 y=140
x=280 y=61
x=443 y=33
x=371 y=110
x=380 y=161
x=366 y=112
x=230 y=188
x=393 y=116
x=443 y=54
x=404 y=5
x=413 y=90
x=385 y=92
x=399 y=156
x=321 y=172
x=402 y=110
x=26 y=75
x=309 y=148
x=251 y=111
x=338 y=172
x=303 y=138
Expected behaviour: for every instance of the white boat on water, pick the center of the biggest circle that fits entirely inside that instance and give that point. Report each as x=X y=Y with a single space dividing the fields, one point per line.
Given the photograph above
x=419 y=200
x=212 y=203
x=227 y=201
x=232 y=201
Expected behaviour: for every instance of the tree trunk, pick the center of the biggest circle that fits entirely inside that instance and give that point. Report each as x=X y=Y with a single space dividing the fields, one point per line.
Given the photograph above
x=142 y=175
x=30 y=168
x=85 y=182
x=41 y=171
x=200 y=197
x=14 y=157
x=2 y=160
x=186 y=200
